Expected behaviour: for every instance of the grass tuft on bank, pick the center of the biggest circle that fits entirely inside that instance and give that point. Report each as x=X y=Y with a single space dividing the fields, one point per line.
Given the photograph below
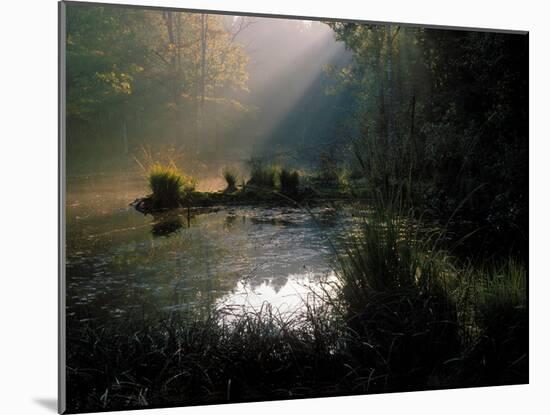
x=169 y=186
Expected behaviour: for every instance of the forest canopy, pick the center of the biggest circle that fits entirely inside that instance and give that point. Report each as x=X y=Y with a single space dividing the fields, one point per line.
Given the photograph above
x=147 y=69
x=200 y=82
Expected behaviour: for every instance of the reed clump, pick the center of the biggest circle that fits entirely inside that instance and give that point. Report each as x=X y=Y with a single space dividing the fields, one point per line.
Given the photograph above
x=394 y=287
x=231 y=177
x=169 y=186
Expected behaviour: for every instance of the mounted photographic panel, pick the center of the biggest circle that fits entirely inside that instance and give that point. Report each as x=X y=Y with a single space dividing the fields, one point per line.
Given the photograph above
x=259 y=207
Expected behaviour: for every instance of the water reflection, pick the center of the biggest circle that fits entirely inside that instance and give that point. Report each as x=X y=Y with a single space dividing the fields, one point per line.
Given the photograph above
x=120 y=262
x=167 y=224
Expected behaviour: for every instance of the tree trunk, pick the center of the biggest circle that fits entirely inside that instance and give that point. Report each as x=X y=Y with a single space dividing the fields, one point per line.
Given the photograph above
x=178 y=65
x=202 y=84
x=125 y=135
x=169 y=21
x=389 y=90
x=411 y=130
x=173 y=70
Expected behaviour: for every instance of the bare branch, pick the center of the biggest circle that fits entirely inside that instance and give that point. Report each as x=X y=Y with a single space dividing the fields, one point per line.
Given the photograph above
x=395 y=34
x=237 y=28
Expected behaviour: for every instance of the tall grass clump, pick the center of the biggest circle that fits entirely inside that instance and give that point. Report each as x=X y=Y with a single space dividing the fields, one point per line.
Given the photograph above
x=502 y=293
x=290 y=181
x=262 y=175
x=500 y=353
x=231 y=176
x=394 y=287
x=168 y=185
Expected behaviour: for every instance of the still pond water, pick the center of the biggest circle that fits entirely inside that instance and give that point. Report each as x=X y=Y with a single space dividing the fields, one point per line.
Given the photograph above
x=121 y=262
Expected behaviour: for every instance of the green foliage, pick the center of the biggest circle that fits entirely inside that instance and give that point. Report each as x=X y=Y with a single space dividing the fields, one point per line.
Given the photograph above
x=134 y=73
x=104 y=59
x=290 y=181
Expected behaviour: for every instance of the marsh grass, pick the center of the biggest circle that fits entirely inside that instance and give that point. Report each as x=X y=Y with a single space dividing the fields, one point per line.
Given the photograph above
x=429 y=320
x=499 y=352
x=502 y=290
x=394 y=285
x=169 y=185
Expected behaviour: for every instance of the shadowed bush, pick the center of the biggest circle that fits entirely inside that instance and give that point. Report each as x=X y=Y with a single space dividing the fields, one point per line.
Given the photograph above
x=290 y=181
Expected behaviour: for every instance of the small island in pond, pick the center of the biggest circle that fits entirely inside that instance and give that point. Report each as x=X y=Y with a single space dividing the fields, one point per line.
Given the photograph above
x=268 y=184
